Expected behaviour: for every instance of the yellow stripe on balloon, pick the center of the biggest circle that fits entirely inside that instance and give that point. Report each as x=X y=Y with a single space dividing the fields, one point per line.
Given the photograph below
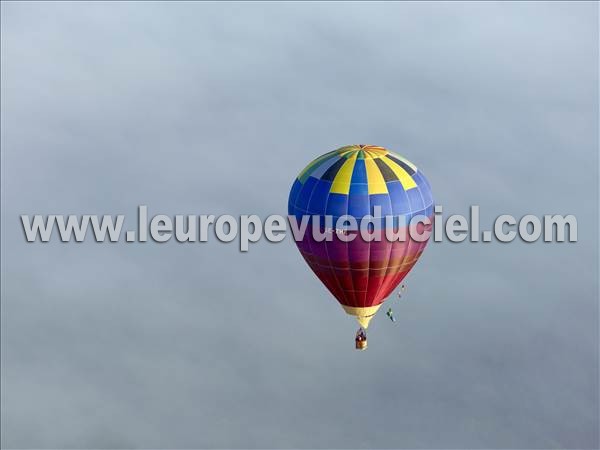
x=347 y=149
x=376 y=152
x=405 y=179
x=375 y=179
x=341 y=182
x=363 y=314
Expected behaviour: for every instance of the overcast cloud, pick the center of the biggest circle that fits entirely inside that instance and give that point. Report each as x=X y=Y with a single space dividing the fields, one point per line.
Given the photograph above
x=212 y=108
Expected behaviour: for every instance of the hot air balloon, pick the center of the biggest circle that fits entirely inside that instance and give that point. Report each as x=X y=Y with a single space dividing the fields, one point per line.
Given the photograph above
x=358 y=181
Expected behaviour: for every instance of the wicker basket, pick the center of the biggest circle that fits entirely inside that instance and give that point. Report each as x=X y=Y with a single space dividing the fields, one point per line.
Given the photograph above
x=361 y=344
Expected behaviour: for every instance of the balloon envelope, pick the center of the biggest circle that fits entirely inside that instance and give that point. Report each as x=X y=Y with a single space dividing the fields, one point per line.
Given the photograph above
x=359 y=181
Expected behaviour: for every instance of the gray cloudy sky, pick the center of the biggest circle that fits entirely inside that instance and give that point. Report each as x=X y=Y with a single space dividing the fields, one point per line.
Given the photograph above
x=214 y=108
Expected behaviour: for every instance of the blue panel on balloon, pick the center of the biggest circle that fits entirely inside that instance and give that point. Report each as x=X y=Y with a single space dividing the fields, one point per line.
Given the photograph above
x=318 y=200
x=296 y=188
x=383 y=202
x=423 y=186
x=358 y=205
x=337 y=205
x=305 y=193
x=398 y=198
